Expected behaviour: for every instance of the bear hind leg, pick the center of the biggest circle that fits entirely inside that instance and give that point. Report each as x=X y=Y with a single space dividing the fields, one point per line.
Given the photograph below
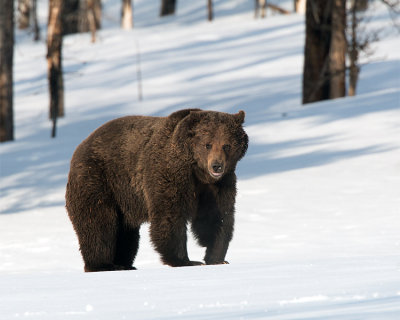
x=127 y=246
x=97 y=234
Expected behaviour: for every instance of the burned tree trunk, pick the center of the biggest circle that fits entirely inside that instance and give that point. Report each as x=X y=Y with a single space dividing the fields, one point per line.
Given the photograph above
x=316 y=52
x=54 y=62
x=210 y=10
x=36 y=29
x=6 y=70
x=167 y=7
x=81 y=16
x=70 y=17
x=325 y=49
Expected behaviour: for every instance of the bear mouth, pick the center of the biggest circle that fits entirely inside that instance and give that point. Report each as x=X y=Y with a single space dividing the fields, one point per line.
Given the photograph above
x=216 y=175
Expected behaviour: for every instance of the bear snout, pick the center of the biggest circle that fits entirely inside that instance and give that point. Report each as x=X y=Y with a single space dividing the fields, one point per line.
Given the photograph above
x=217 y=169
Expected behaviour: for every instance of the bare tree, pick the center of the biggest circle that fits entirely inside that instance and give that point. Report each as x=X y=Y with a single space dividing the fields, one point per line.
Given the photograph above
x=210 y=10
x=54 y=62
x=353 y=48
x=70 y=17
x=337 y=50
x=359 y=40
x=127 y=14
x=36 y=29
x=316 y=52
x=27 y=16
x=359 y=5
x=167 y=7
x=278 y=9
x=91 y=15
x=325 y=49
x=6 y=70
x=263 y=5
x=260 y=5
x=82 y=16
x=24 y=12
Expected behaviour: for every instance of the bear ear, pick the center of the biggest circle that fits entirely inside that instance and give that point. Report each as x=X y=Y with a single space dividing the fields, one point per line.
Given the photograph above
x=183 y=129
x=239 y=117
x=180 y=114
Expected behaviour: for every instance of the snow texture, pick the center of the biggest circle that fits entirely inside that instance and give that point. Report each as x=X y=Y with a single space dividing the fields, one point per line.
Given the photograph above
x=318 y=207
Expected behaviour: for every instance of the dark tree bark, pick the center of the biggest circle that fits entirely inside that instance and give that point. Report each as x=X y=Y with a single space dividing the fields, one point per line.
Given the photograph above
x=325 y=49
x=316 y=52
x=353 y=52
x=6 y=70
x=127 y=15
x=81 y=16
x=338 y=49
x=359 y=5
x=54 y=61
x=70 y=17
x=167 y=7
x=36 y=29
x=210 y=10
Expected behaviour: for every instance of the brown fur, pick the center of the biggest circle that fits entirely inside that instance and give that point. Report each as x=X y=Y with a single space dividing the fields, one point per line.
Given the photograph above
x=164 y=170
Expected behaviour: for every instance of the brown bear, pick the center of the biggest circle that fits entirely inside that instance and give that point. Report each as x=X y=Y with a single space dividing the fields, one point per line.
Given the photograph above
x=167 y=171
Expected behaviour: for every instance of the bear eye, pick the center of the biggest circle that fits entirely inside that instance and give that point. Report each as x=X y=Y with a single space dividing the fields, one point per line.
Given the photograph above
x=226 y=147
x=208 y=146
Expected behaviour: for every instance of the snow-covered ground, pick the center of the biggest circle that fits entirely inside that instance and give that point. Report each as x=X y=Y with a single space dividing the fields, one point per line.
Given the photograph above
x=318 y=208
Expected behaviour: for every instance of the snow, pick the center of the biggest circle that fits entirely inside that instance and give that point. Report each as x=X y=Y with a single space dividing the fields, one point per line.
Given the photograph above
x=317 y=214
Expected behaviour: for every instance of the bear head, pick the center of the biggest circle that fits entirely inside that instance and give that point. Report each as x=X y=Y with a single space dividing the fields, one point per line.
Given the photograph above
x=216 y=142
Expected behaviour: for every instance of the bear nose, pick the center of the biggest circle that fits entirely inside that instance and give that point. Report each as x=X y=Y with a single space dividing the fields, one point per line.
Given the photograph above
x=217 y=167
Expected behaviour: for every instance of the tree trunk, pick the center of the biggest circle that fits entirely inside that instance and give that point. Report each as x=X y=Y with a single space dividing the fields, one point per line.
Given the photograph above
x=54 y=61
x=81 y=16
x=6 y=70
x=91 y=18
x=360 y=5
x=260 y=4
x=353 y=51
x=354 y=71
x=127 y=15
x=278 y=9
x=316 y=52
x=24 y=11
x=70 y=18
x=36 y=29
x=167 y=7
x=325 y=49
x=97 y=13
x=210 y=10
x=338 y=49
x=300 y=6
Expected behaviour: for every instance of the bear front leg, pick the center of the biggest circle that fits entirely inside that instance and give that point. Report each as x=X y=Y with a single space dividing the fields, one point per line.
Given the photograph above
x=216 y=250
x=169 y=239
x=214 y=233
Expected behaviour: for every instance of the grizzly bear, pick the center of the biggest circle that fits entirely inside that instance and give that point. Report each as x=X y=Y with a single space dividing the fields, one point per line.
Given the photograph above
x=167 y=171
